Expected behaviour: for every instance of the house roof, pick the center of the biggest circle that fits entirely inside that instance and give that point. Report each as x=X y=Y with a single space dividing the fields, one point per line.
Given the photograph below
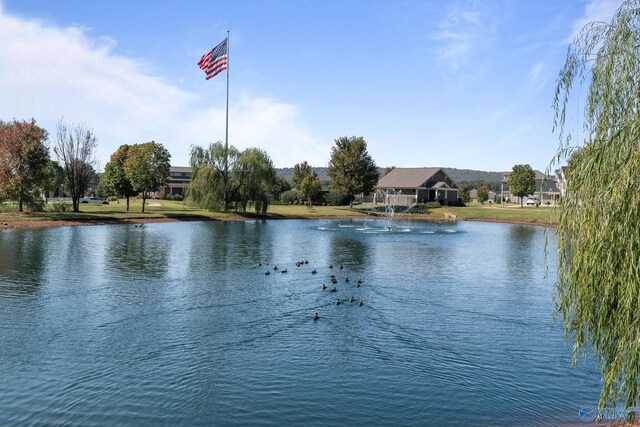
x=406 y=177
x=179 y=169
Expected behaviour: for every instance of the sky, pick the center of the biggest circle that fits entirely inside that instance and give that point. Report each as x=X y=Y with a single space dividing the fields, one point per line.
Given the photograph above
x=465 y=84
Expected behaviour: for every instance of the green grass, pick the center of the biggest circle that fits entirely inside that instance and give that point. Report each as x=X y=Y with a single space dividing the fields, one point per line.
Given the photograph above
x=180 y=210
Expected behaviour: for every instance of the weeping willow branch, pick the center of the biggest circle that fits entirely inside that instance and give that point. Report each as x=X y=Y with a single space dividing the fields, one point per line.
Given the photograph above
x=598 y=285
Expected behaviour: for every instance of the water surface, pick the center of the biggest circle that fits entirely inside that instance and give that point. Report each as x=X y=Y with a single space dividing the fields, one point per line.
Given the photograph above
x=176 y=324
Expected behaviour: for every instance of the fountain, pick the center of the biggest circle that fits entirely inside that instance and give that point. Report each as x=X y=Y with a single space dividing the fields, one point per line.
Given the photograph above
x=392 y=200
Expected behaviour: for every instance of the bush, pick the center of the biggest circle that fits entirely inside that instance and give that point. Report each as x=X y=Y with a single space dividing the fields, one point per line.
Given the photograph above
x=429 y=205
x=178 y=197
x=334 y=198
x=291 y=197
x=60 y=207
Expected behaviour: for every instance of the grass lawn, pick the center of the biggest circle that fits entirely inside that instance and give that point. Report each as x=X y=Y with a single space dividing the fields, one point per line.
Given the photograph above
x=173 y=210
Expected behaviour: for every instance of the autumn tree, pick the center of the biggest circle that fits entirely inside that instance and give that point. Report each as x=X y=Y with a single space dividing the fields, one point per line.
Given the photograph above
x=75 y=147
x=522 y=182
x=351 y=168
x=483 y=194
x=598 y=283
x=300 y=172
x=115 y=178
x=147 y=168
x=23 y=160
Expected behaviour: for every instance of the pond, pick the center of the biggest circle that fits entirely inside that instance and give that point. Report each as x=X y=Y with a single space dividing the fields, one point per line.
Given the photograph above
x=179 y=324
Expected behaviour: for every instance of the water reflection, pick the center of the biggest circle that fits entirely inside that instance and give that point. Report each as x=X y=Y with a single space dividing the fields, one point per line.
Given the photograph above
x=22 y=262
x=137 y=252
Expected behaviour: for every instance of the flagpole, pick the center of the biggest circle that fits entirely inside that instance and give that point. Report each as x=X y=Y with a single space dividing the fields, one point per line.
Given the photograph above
x=226 y=138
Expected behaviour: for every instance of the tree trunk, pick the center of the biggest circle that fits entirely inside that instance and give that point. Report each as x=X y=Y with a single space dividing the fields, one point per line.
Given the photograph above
x=144 y=198
x=20 y=202
x=127 y=203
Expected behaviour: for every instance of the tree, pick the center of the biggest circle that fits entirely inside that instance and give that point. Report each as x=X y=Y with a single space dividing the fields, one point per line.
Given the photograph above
x=300 y=172
x=222 y=176
x=483 y=194
x=211 y=186
x=115 y=177
x=387 y=170
x=598 y=284
x=54 y=179
x=310 y=187
x=280 y=185
x=23 y=161
x=351 y=168
x=74 y=147
x=253 y=178
x=465 y=196
x=147 y=167
x=522 y=182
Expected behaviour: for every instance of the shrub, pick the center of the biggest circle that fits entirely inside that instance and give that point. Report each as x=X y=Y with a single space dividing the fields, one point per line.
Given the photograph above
x=178 y=197
x=60 y=207
x=334 y=198
x=291 y=197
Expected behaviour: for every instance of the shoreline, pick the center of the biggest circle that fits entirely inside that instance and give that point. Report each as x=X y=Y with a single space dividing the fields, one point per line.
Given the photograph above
x=49 y=223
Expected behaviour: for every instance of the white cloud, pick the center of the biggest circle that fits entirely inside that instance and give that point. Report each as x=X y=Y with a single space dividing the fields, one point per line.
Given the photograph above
x=48 y=72
x=537 y=76
x=595 y=10
x=462 y=31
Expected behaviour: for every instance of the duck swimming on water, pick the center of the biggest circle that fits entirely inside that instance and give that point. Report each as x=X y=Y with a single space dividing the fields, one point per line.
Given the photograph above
x=315 y=316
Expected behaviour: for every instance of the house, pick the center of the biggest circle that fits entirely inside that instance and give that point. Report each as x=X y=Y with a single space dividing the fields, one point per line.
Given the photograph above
x=177 y=183
x=561 y=180
x=546 y=190
x=419 y=185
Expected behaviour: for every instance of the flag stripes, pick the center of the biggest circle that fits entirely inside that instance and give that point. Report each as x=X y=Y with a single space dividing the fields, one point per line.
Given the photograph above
x=214 y=61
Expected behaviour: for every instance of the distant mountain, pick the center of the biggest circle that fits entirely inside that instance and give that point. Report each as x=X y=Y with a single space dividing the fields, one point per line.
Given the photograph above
x=458 y=175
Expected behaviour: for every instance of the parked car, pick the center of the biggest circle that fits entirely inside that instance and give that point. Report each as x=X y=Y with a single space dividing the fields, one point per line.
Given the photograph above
x=94 y=200
x=531 y=201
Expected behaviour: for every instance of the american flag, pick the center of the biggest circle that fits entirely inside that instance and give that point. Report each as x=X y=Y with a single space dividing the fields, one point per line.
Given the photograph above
x=214 y=61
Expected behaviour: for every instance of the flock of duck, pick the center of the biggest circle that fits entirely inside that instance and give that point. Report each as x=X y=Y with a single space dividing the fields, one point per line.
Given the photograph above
x=332 y=278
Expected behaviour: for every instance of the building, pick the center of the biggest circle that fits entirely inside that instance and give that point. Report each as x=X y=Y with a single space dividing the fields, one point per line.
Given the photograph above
x=178 y=182
x=546 y=190
x=561 y=180
x=419 y=185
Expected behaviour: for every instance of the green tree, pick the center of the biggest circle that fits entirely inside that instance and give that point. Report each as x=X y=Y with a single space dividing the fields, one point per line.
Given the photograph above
x=54 y=179
x=465 y=196
x=522 y=182
x=211 y=180
x=23 y=161
x=115 y=178
x=310 y=187
x=222 y=176
x=147 y=167
x=300 y=172
x=483 y=194
x=75 y=147
x=253 y=178
x=280 y=185
x=598 y=284
x=351 y=168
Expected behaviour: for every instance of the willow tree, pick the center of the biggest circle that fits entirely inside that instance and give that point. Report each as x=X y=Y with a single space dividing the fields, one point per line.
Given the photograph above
x=222 y=176
x=598 y=285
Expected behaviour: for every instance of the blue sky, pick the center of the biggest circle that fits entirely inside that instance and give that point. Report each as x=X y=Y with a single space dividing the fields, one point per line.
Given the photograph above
x=465 y=84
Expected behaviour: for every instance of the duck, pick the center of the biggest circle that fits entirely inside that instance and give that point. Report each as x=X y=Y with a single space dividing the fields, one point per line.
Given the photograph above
x=284 y=271
x=331 y=266
x=267 y=273
x=360 y=303
x=324 y=286
x=341 y=267
x=351 y=298
x=306 y=261
x=347 y=280
x=357 y=285
x=359 y=281
x=334 y=289
x=338 y=301
x=275 y=267
x=314 y=271
x=259 y=264
x=315 y=316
